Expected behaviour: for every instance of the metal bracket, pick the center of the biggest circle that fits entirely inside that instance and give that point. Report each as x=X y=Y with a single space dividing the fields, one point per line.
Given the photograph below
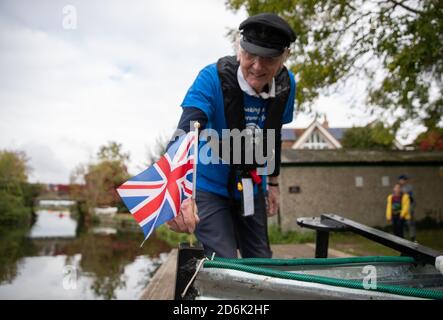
x=187 y=258
x=322 y=227
x=333 y=222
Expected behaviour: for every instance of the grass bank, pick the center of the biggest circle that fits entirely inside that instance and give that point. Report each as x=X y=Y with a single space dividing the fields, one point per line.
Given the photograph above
x=358 y=245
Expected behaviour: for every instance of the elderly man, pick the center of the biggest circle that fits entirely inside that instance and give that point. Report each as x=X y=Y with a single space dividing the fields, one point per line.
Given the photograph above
x=251 y=91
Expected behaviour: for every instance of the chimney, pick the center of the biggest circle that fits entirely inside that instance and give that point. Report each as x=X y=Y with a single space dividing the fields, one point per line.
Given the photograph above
x=326 y=123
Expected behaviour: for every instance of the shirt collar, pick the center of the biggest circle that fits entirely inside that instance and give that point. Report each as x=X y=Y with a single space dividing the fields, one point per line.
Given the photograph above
x=244 y=85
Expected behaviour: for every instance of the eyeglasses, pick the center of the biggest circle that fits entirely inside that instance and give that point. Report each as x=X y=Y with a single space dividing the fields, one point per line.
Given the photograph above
x=266 y=60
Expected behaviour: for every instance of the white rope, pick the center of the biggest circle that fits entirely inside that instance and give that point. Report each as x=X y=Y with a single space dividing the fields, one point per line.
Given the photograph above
x=193 y=277
x=195 y=274
x=439 y=264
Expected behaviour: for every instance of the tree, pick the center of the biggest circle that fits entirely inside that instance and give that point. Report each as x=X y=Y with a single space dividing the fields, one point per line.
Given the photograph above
x=13 y=178
x=158 y=150
x=112 y=152
x=12 y=209
x=101 y=181
x=13 y=167
x=395 y=45
x=430 y=140
x=369 y=137
x=101 y=178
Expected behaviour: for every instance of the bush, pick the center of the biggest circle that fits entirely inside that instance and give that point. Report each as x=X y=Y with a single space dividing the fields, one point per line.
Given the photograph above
x=171 y=237
x=373 y=136
x=12 y=209
x=16 y=195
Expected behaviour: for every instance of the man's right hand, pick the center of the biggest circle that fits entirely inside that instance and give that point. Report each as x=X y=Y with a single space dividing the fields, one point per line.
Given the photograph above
x=186 y=220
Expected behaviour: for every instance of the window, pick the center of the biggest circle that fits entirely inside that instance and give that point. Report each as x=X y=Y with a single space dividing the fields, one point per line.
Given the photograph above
x=385 y=181
x=359 y=181
x=316 y=141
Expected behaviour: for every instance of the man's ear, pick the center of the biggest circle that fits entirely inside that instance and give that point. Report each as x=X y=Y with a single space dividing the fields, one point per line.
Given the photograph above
x=285 y=57
x=237 y=47
x=286 y=54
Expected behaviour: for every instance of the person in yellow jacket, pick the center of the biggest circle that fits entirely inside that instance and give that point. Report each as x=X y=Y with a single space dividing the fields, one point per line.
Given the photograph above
x=397 y=209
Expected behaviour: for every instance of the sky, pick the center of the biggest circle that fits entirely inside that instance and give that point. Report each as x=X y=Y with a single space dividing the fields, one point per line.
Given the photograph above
x=76 y=75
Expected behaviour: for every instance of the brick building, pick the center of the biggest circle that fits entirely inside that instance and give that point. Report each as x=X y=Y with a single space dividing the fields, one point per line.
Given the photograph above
x=356 y=183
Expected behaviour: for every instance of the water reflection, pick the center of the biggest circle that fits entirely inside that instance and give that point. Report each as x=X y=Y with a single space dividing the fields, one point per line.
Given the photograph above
x=54 y=223
x=106 y=264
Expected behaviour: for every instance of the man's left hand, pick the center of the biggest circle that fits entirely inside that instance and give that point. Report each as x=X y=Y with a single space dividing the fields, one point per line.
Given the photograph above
x=187 y=220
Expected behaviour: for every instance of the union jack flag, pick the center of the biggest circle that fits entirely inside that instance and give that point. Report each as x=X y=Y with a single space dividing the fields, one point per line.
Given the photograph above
x=154 y=196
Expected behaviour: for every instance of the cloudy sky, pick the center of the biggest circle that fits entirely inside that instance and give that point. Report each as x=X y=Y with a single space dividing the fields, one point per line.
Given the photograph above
x=76 y=75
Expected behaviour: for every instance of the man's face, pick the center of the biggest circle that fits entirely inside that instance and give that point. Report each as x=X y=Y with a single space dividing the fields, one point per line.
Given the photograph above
x=259 y=71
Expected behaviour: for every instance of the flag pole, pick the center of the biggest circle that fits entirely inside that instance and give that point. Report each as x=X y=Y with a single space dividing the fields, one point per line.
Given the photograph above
x=194 y=173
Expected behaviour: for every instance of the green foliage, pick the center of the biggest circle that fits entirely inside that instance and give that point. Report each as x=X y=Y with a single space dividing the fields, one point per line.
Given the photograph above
x=13 y=168
x=290 y=237
x=12 y=209
x=102 y=178
x=16 y=195
x=101 y=181
x=369 y=137
x=395 y=45
x=30 y=192
x=112 y=152
x=171 y=237
x=275 y=236
x=430 y=140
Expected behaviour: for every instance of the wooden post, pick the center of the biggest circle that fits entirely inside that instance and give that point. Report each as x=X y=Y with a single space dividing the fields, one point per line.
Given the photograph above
x=194 y=173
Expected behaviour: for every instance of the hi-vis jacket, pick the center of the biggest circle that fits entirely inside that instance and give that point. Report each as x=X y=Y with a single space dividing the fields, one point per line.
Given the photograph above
x=405 y=206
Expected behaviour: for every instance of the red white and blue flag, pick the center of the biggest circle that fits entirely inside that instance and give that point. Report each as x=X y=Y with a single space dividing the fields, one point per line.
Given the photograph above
x=154 y=196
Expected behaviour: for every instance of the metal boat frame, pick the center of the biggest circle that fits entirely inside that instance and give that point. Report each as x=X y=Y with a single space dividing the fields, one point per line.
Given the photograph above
x=188 y=257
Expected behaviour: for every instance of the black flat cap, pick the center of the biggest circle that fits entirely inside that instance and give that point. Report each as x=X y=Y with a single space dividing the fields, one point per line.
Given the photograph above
x=266 y=35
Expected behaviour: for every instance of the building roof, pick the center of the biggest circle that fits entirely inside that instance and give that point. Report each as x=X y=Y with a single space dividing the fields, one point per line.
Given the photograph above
x=292 y=134
x=316 y=126
x=299 y=132
x=333 y=135
x=352 y=156
x=287 y=134
x=337 y=133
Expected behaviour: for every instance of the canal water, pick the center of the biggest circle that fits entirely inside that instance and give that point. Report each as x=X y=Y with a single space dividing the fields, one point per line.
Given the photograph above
x=57 y=258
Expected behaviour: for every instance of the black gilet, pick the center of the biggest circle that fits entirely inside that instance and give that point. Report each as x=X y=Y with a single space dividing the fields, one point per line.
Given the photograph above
x=234 y=107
